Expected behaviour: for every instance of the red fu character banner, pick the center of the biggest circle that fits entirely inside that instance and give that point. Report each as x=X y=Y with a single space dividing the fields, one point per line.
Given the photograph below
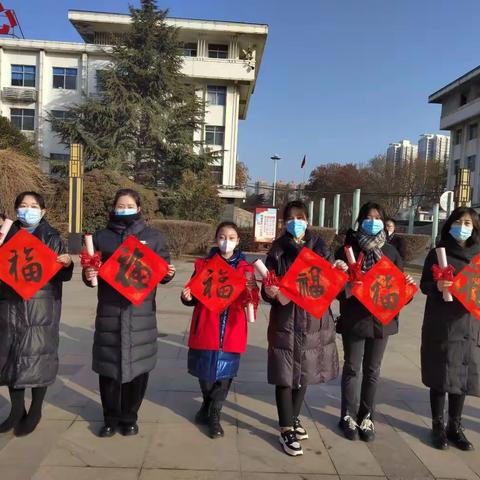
x=466 y=287
x=27 y=264
x=134 y=270
x=384 y=290
x=312 y=282
x=217 y=284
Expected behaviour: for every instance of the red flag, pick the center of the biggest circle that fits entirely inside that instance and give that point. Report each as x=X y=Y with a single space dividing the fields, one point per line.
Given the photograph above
x=384 y=290
x=304 y=161
x=466 y=287
x=27 y=264
x=217 y=284
x=312 y=282
x=134 y=270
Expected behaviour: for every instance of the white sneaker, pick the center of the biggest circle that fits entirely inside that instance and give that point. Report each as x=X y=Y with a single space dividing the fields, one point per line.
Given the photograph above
x=301 y=433
x=290 y=443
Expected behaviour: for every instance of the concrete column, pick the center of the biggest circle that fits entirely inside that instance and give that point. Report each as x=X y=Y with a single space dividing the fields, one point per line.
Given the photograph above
x=355 y=206
x=411 y=219
x=450 y=204
x=321 y=213
x=336 y=212
x=436 y=211
x=310 y=212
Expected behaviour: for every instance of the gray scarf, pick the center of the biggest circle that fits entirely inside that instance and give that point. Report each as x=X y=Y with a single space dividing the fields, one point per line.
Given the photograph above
x=372 y=246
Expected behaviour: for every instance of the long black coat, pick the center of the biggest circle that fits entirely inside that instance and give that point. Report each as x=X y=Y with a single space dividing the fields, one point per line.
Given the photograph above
x=29 y=330
x=355 y=319
x=125 y=341
x=301 y=348
x=450 y=349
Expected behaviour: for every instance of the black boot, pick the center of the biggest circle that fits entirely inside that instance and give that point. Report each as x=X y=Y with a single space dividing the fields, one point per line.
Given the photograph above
x=439 y=436
x=215 y=430
x=456 y=436
x=201 y=417
x=17 y=412
x=29 y=422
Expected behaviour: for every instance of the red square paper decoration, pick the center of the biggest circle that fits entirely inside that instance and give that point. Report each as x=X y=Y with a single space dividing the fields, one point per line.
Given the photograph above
x=312 y=282
x=134 y=270
x=384 y=290
x=217 y=284
x=27 y=264
x=466 y=287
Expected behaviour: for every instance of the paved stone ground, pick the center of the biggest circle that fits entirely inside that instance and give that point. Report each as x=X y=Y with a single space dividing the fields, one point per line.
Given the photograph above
x=170 y=446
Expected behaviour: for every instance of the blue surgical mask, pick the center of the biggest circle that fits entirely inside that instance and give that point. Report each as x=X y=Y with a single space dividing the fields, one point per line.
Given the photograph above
x=460 y=232
x=372 y=226
x=296 y=227
x=29 y=216
x=121 y=212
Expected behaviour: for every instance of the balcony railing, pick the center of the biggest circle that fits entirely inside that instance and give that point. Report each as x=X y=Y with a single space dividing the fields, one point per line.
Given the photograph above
x=19 y=94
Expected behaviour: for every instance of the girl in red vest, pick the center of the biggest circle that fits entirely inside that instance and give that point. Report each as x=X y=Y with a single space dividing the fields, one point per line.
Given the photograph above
x=217 y=340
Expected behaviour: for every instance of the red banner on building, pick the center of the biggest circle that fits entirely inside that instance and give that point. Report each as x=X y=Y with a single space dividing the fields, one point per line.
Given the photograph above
x=466 y=287
x=27 y=264
x=134 y=270
x=217 y=284
x=384 y=290
x=312 y=282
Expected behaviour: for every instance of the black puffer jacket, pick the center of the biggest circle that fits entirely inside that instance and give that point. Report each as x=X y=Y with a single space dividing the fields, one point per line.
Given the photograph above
x=29 y=330
x=355 y=319
x=125 y=342
x=450 y=350
x=301 y=348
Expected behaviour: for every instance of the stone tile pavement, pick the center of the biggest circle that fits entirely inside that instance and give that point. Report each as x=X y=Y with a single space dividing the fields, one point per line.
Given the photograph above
x=171 y=446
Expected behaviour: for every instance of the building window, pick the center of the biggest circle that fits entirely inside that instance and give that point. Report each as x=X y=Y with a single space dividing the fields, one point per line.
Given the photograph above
x=216 y=95
x=471 y=161
x=214 y=135
x=23 y=76
x=473 y=131
x=463 y=98
x=456 y=166
x=457 y=138
x=63 y=157
x=99 y=80
x=216 y=50
x=65 y=78
x=61 y=115
x=23 y=118
x=217 y=174
x=190 y=49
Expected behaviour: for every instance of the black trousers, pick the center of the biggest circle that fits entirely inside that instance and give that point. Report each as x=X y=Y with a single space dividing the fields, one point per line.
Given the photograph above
x=437 y=404
x=289 y=403
x=121 y=401
x=216 y=392
x=361 y=354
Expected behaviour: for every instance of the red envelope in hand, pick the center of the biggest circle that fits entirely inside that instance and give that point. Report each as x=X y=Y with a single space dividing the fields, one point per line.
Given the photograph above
x=217 y=284
x=134 y=270
x=466 y=287
x=384 y=290
x=27 y=264
x=312 y=282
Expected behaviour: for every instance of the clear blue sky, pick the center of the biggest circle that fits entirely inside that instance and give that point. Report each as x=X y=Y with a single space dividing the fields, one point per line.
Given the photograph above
x=340 y=78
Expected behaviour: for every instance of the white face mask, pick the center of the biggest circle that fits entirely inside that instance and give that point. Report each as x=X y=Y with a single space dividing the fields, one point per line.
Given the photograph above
x=227 y=246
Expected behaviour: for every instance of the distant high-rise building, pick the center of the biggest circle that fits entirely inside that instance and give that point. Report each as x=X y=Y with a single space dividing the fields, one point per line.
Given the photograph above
x=434 y=148
x=401 y=153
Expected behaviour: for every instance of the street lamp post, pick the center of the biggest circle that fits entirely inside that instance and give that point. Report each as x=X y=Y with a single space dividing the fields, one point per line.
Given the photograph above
x=275 y=159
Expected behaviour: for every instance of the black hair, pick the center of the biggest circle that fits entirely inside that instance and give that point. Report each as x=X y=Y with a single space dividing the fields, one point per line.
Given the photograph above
x=38 y=198
x=232 y=225
x=457 y=214
x=294 y=204
x=128 y=192
x=390 y=219
x=365 y=210
x=3 y=216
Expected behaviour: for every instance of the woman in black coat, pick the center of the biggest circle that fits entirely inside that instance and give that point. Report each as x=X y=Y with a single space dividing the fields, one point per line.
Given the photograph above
x=450 y=350
x=29 y=330
x=394 y=239
x=364 y=337
x=125 y=341
x=301 y=348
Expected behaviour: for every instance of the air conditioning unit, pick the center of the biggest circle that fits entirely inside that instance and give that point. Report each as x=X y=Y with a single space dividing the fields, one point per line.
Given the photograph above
x=19 y=94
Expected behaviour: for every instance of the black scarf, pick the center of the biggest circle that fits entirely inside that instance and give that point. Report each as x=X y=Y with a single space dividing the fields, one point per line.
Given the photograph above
x=372 y=246
x=126 y=225
x=454 y=249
